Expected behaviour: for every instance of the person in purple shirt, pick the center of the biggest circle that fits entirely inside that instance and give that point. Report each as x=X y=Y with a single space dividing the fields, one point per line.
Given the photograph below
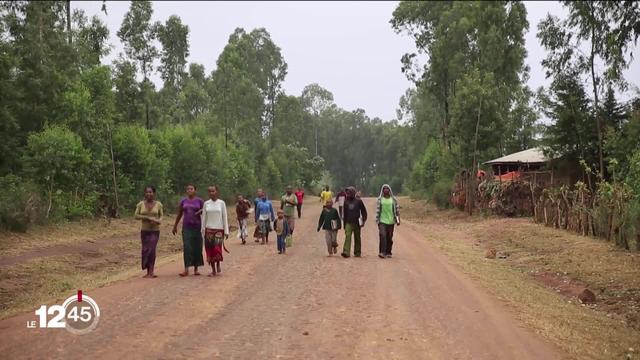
x=189 y=210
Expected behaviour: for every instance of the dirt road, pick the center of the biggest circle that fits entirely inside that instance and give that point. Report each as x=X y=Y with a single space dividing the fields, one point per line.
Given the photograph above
x=299 y=305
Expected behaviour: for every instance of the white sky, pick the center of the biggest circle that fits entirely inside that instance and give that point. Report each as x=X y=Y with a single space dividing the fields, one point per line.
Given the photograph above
x=348 y=48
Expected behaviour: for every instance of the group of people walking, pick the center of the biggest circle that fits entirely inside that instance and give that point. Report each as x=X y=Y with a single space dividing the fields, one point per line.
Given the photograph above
x=206 y=223
x=352 y=214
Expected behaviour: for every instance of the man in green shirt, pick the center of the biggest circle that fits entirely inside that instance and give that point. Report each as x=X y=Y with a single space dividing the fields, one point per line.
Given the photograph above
x=288 y=205
x=387 y=216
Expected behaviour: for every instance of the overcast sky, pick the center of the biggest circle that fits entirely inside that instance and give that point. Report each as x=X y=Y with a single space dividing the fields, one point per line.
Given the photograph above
x=348 y=48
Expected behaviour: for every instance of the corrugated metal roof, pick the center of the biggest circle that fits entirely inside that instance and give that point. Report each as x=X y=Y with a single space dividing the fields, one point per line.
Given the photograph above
x=529 y=156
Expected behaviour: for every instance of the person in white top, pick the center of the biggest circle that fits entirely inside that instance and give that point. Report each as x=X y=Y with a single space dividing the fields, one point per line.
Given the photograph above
x=215 y=229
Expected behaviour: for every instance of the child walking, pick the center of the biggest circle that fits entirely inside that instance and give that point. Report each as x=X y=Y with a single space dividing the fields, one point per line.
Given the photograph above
x=281 y=227
x=330 y=222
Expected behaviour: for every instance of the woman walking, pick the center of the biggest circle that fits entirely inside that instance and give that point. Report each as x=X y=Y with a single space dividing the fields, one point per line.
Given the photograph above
x=215 y=229
x=189 y=211
x=288 y=204
x=243 y=208
x=264 y=216
x=150 y=212
x=387 y=216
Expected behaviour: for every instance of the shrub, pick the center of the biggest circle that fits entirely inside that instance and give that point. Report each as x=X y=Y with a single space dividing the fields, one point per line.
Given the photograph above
x=440 y=194
x=20 y=204
x=73 y=206
x=432 y=176
x=56 y=159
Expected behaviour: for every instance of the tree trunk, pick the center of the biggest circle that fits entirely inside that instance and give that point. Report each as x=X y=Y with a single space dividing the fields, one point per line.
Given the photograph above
x=69 y=21
x=50 y=199
x=445 y=125
x=146 y=111
x=316 y=129
x=471 y=198
x=113 y=171
x=596 y=107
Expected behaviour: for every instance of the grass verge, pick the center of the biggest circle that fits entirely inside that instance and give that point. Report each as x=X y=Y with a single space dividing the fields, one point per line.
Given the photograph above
x=582 y=332
x=43 y=279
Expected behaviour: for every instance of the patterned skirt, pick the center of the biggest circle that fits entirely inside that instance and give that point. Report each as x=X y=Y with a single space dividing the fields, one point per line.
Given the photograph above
x=264 y=227
x=213 y=239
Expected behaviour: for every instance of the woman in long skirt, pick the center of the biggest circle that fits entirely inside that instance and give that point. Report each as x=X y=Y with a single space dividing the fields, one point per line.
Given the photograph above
x=264 y=217
x=215 y=229
x=189 y=210
x=150 y=212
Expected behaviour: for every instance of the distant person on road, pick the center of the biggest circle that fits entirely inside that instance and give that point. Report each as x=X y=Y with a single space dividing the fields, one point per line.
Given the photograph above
x=330 y=222
x=300 y=196
x=243 y=208
x=150 y=212
x=264 y=215
x=215 y=229
x=256 y=232
x=325 y=195
x=281 y=227
x=387 y=216
x=288 y=204
x=188 y=210
x=355 y=216
x=340 y=197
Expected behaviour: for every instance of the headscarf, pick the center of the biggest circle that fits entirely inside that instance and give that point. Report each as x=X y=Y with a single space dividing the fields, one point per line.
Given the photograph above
x=382 y=188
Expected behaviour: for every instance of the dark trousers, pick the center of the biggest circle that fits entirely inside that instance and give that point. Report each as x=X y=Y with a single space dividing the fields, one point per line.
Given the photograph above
x=299 y=207
x=386 y=238
x=281 y=242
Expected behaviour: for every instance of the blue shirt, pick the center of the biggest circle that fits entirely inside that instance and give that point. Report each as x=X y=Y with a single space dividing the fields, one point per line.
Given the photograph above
x=264 y=207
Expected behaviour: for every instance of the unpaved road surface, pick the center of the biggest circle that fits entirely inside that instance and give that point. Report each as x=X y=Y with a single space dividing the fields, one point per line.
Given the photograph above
x=302 y=305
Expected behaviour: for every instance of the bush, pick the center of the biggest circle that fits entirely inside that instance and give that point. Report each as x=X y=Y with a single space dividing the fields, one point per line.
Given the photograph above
x=138 y=164
x=432 y=176
x=56 y=159
x=73 y=206
x=20 y=204
x=441 y=193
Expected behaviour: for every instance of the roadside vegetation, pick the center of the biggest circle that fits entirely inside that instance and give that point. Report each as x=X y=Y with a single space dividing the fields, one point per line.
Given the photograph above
x=539 y=273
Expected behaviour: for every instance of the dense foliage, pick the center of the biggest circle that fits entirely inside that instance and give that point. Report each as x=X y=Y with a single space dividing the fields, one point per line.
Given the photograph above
x=471 y=102
x=81 y=138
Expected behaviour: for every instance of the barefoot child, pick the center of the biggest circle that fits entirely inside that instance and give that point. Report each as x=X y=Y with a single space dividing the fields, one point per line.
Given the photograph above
x=330 y=222
x=281 y=227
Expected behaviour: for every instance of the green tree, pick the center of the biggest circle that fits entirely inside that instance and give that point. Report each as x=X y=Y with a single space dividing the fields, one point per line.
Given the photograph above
x=56 y=159
x=256 y=57
x=315 y=100
x=128 y=96
x=174 y=37
x=138 y=163
x=571 y=134
x=137 y=33
x=44 y=61
x=194 y=97
x=609 y=28
x=237 y=100
x=90 y=39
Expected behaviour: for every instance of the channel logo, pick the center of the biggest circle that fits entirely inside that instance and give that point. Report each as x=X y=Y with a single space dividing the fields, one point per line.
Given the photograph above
x=79 y=314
